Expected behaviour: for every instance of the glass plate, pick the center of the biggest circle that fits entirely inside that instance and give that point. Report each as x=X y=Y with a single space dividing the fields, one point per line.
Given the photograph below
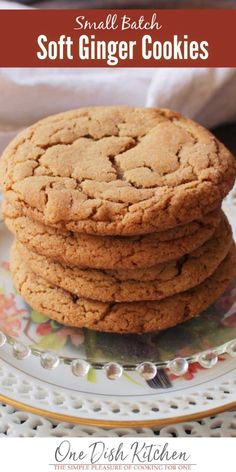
x=212 y=333
x=177 y=386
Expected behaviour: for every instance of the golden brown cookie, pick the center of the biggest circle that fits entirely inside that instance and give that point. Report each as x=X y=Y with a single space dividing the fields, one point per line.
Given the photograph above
x=135 y=317
x=155 y=283
x=111 y=252
x=116 y=171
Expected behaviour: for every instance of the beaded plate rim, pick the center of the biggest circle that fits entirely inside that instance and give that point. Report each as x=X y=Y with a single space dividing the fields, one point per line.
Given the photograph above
x=228 y=348
x=219 y=401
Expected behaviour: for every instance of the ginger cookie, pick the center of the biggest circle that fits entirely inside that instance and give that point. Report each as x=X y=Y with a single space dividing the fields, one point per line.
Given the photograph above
x=116 y=171
x=111 y=252
x=155 y=283
x=134 y=317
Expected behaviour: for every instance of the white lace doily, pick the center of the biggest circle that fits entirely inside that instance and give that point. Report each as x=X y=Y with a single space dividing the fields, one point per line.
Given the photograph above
x=16 y=423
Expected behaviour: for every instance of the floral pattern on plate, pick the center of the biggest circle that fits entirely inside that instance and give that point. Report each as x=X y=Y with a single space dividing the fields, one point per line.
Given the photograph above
x=213 y=328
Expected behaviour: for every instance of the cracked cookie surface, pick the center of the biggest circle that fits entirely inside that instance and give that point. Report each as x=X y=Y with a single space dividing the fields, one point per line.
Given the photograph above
x=154 y=283
x=116 y=171
x=134 y=317
x=111 y=252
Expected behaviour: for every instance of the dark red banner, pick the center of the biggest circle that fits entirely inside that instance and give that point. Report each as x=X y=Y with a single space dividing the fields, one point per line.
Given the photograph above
x=117 y=38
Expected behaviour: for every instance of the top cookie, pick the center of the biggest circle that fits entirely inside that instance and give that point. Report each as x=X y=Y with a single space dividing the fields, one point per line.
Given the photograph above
x=116 y=170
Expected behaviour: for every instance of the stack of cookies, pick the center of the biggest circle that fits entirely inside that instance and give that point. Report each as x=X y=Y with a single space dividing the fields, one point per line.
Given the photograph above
x=117 y=220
